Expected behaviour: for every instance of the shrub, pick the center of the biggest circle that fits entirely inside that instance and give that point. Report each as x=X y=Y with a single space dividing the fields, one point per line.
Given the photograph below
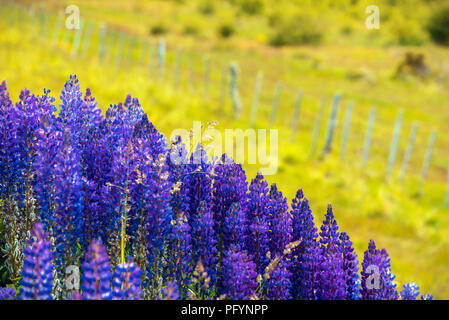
x=191 y=29
x=206 y=7
x=296 y=31
x=158 y=29
x=438 y=26
x=251 y=7
x=226 y=30
x=407 y=34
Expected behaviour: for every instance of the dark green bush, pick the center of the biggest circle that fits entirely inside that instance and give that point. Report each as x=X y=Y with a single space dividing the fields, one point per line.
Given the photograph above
x=226 y=30
x=191 y=30
x=158 y=29
x=296 y=31
x=251 y=7
x=206 y=7
x=438 y=26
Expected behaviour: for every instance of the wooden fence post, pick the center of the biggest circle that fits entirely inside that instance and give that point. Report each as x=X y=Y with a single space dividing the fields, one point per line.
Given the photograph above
x=118 y=56
x=256 y=98
x=206 y=63
x=394 y=143
x=447 y=191
x=77 y=40
x=233 y=88
x=369 y=134
x=224 y=86
x=191 y=74
x=275 y=104
x=332 y=124
x=425 y=167
x=87 y=38
x=316 y=131
x=346 y=130
x=102 y=40
x=161 y=57
x=58 y=27
x=409 y=150
x=295 y=120
x=177 y=74
x=131 y=49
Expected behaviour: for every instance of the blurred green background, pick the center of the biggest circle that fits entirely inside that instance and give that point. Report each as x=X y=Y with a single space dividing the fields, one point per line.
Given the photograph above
x=320 y=47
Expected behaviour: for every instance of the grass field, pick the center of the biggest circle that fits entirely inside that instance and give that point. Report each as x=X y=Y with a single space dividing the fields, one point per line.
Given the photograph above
x=350 y=59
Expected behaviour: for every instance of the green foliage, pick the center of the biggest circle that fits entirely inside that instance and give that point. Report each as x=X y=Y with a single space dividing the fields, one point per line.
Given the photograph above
x=226 y=30
x=438 y=26
x=158 y=29
x=298 y=30
x=251 y=7
x=192 y=29
x=206 y=7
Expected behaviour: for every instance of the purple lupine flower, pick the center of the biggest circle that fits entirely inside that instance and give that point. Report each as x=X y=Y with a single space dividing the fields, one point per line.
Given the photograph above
x=304 y=256
x=37 y=272
x=170 y=291
x=426 y=297
x=258 y=224
x=377 y=279
x=196 y=184
x=330 y=272
x=8 y=147
x=389 y=290
x=203 y=240
x=96 y=277
x=126 y=282
x=238 y=276
x=350 y=267
x=329 y=230
x=280 y=222
x=48 y=144
x=68 y=200
x=229 y=187
x=280 y=231
x=179 y=251
x=278 y=282
x=7 y=293
x=235 y=228
x=410 y=291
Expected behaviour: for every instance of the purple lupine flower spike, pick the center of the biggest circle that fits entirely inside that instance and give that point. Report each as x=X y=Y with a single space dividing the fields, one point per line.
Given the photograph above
x=204 y=241
x=410 y=291
x=238 y=276
x=330 y=273
x=258 y=224
x=170 y=291
x=350 y=267
x=229 y=187
x=7 y=293
x=377 y=279
x=304 y=256
x=37 y=273
x=126 y=282
x=96 y=278
x=280 y=222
